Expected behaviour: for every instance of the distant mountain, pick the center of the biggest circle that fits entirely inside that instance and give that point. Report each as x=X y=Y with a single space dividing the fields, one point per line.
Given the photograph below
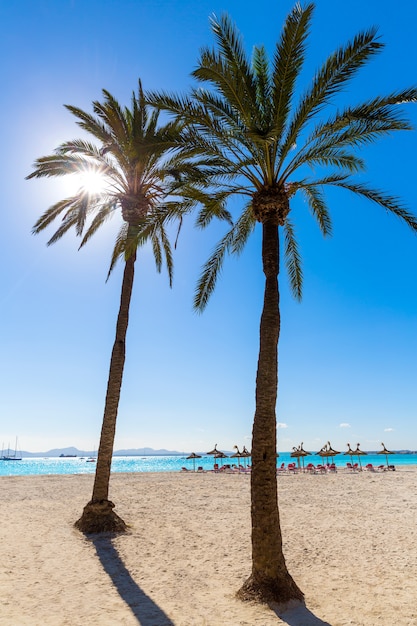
x=71 y=451
x=148 y=452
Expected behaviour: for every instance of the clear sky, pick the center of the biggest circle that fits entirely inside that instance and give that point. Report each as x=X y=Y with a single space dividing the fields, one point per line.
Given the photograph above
x=348 y=352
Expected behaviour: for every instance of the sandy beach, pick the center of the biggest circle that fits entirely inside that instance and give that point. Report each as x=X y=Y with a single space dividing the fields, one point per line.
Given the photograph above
x=349 y=539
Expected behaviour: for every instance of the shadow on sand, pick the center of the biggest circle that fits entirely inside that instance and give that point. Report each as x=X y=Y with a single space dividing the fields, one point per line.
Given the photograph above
x=299 y=615
x=142 y=606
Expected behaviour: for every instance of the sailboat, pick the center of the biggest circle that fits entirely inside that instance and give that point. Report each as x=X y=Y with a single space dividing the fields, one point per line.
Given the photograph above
x=9 y=456
x=92 y=458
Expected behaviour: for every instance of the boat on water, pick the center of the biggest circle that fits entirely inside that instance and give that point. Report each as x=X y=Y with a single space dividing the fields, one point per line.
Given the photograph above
x=9 y=455
x=92 y=458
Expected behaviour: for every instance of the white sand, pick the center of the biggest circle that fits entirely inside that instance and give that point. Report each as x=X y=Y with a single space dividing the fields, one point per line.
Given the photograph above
x=349 y=539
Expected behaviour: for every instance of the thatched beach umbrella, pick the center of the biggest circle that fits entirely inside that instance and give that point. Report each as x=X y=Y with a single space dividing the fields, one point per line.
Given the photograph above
x=330 y=450
x=245 y=454
x=350 y=452
x=237 y=454
x=296 y=454
x=327 y=451
x=299 y=453
x=220 y=455
x=386 y=452
x=194 y=456
x=324 y=452
x=359 y=453
x=304 y=453
x=214 y=451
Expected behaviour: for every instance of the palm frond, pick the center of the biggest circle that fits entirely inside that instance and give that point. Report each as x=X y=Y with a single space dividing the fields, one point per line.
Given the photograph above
x=119 y=248
x=113 y=117
x=52 y=213
x=337 y=70
x=318 y=208
x=69 y=222
x=157 y=252
x=392 y=204
x=260 y=66
x=211 y=271
x=288 y=62
x=324 y=155
x=166 y=246
x=293 y=260
x=105 y=212
x=212 y=205
x=230 y=70
x=242 y=229
x=57 y=165
x=91 y=124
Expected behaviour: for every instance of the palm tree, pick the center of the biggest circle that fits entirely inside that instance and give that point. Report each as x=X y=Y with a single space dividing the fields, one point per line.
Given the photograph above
x=271 y=144
x=141 y=167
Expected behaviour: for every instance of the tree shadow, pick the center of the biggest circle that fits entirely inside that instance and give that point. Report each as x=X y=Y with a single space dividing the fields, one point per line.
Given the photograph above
x=142 y=606
x=298 y=615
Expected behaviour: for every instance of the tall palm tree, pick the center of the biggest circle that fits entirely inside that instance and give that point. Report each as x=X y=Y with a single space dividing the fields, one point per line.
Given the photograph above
x=141 y=166
x=273 y=144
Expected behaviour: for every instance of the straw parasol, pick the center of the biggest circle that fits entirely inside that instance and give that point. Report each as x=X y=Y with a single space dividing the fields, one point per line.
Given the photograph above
x=304 y=453
x=214 y=451
x=299 y=453
x=330 y=450
x=194 y=456
x=327 y=451
x=359 y=453
x=324 y=452
x=350 y=452
x=236 y=455
x=245 y=454
x=220 y=455
x=386 y=452
x=296 y=454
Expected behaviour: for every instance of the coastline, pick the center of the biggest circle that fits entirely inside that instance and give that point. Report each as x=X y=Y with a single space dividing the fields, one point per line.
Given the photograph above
x=349 y=540
x=160 y=463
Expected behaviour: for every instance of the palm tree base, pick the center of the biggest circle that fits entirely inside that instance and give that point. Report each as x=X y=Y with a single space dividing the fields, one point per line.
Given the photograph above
x=99 y=517
x=279 y=591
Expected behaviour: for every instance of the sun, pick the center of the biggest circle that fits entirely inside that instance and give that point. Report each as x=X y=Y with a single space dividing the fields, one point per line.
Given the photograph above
x=91 y=181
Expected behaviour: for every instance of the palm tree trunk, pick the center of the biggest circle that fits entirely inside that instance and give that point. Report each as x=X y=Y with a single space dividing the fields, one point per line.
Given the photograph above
x=270 y=580
x=98 y=514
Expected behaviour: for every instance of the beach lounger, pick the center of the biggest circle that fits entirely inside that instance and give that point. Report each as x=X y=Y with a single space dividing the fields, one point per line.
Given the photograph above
x=370 y=468
x=292 y=468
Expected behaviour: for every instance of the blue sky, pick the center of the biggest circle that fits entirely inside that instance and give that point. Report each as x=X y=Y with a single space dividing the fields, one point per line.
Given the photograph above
x=347 y=358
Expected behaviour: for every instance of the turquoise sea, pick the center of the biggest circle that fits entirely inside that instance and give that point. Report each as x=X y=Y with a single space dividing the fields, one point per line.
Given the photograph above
x=78 y=465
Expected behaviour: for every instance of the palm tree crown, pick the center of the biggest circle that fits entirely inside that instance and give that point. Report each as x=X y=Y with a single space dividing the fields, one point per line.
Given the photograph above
x=137 y=173
x=272 y=145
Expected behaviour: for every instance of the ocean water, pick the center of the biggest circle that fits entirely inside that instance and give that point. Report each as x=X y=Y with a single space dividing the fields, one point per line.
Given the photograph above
x=78 y=465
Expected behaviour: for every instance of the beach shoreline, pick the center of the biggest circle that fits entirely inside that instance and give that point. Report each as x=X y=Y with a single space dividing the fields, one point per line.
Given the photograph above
x=349 y=540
